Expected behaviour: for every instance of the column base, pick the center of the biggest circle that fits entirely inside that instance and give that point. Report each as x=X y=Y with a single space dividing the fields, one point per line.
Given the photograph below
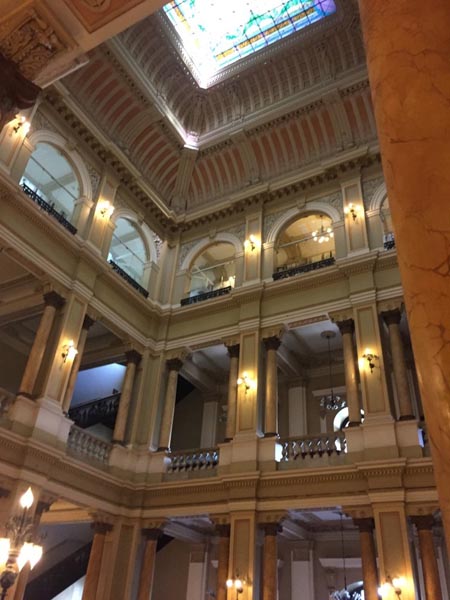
x=354 y=424
x=408 y=438
x=270 y=434
x=407 y=418
x=249 y=453
x=42 y=419
x=374 y=439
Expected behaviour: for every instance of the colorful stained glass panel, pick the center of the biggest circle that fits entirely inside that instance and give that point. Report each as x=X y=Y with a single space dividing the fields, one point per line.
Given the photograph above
x=217 y=33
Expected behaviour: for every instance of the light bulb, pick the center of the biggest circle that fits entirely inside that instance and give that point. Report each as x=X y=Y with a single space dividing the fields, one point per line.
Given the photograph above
x=35 y=555
x=398 y=582
x=229 y=583
x=27 y=499
x=238 y=584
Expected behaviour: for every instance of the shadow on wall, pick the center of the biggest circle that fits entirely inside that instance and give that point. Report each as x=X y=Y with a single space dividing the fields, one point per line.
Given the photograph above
x=100 y=382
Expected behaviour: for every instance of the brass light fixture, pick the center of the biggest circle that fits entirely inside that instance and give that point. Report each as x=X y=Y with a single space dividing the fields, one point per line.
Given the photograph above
x=394 y=584
x=352 y=209
x=371 y=357
x=237 y=584
x=69 y=351
x=18 y=549
x=246 y=381
x=323 y=234
x=331 y=401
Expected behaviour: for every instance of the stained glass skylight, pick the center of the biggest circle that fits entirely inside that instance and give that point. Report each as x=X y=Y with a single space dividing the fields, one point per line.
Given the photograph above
x=217 y=33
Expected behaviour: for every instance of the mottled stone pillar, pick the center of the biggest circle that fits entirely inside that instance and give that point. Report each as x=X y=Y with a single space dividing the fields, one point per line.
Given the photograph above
x=270 y=561
x=408 y=57
x=148 y=563
x=368 y=557
x=392 y=319
x=52 y=303
x=165 y=437
x=271 y=345
x=347 y=328
x=424 y=525
x=95 y=560
x=133 y=359
x=87 y=324
x=222 y=561
x=233 y=351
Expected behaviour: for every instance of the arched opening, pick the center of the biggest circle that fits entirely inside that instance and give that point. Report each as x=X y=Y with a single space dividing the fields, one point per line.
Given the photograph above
x=52 y=178
x=128 y=251
x=388 y=227
x=305 y=244
x=213 y=269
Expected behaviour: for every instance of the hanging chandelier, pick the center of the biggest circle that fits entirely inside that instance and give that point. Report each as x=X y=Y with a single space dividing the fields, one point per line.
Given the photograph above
x=323 y=234
x=331 y=401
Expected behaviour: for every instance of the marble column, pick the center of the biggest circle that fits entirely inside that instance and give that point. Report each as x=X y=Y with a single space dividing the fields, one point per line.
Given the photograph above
x=53 y=302
x=271 y=345
x=408 y=57
x=347 y=328
x=270 y=561
x=424 y=525
x=151 y=537
x=95 y=560
x=173 y=365
x=392 y=319
x=87 y=324
x=222 y=561
x=233 y=352
x=368 y=557
x=133 y=359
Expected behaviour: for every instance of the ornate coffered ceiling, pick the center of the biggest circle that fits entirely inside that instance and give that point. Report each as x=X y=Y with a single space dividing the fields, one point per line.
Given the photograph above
x=306 y=105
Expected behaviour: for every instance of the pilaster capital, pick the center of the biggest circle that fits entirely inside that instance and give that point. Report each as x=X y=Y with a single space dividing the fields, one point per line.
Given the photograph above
x=347 y=326
x=392 y=317
x=54 y=299
x=87 y=322
x=233 y=351
x=423 y=522
x=174 y=364
x=133 y=356
x=272 y=343
x=152 y=534
x=343 y=315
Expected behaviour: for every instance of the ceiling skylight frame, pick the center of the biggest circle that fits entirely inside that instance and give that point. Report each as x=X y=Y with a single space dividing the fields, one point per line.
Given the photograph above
x=241 y=64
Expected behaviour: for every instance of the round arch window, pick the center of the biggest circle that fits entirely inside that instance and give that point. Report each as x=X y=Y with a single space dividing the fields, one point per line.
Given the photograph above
x=309 y=239
x=213 y=269
x=128 y=250
x=52 y=177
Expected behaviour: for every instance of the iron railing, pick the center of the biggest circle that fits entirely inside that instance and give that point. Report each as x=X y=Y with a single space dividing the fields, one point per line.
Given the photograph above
x=206 y=296
x=48 y=208
x=91 y=413
x=137 y=286
x=314 y=266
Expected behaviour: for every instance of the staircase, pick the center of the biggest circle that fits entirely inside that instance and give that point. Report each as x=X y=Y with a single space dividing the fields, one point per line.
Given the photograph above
x=102 y=410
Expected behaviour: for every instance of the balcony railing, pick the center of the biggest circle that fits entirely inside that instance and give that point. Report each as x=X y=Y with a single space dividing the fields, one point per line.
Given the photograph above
x=307 y=268
x=82 y=444
x=327 y=443
x=48 y=208
x=137 y=286
x=193 y=460
x=91 y=413
x=206 y=296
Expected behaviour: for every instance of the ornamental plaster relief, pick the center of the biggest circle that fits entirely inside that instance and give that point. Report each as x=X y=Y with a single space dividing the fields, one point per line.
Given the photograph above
x=369 y=187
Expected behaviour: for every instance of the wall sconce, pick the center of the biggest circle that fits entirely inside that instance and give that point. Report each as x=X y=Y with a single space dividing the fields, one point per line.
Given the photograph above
x=247 y=382
x=252 y=243
x=352 y=209
x=69 y=351
x=21 y=123
x=394 y=584
x=105 y=208
x=237 y=584
x=370 y=357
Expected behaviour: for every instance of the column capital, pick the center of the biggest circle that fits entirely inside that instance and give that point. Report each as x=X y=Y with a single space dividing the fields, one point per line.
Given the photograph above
x=366 y=524
x=423 y=522
x=101 y=527
x=87 y=322
x=270 y=529
x=223 y=530
x=133 y=356
x=233 y=351
x=346 y=326
x=54 y=299
x=152 y=534
x=392 y=317
x=174 y=364
x=272 y=343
